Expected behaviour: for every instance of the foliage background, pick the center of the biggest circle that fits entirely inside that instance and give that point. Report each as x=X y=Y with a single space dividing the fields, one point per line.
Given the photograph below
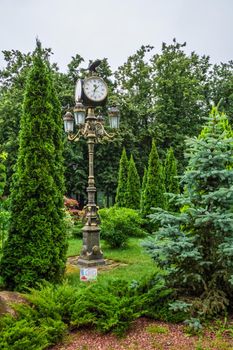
x=164 y=96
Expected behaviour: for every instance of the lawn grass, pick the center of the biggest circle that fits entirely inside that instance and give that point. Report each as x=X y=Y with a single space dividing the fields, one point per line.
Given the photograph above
x=74 y=246
x=135 y=262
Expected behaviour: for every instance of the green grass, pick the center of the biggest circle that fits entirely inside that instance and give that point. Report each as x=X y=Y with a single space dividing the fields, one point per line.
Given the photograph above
x=74 y=247
x=157 y=329
x=138 y=263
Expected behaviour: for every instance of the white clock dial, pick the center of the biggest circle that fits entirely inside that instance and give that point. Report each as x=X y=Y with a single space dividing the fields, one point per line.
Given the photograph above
x=95 y=89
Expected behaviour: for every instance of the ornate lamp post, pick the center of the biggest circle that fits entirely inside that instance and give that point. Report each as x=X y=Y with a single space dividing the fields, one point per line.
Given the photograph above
x=90 y=93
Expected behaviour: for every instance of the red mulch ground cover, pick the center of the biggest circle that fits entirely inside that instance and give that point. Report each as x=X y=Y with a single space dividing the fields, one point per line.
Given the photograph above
x=149 y=335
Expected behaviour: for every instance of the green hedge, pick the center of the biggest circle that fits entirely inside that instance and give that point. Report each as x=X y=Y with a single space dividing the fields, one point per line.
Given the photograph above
x=118 y=224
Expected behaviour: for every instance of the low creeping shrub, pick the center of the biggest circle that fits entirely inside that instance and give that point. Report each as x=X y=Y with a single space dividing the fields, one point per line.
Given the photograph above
x=105 y=308
x=108 y=306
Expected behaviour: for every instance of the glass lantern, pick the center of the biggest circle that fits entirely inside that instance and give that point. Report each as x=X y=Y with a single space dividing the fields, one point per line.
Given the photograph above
x=79 y=113
x=114 y=117
x=68 y=122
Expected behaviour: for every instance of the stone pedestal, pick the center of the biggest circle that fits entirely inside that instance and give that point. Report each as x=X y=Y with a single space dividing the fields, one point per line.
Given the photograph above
x=91 y=254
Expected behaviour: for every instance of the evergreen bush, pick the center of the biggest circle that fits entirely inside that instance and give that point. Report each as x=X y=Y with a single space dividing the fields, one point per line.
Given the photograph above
x=144 y=181
x=41 y=323
x=3 y=157
x=4 y=212
x=156 y=299
x=108 y=306
x=118 y=224
x=133 y=190
x=171 y=179
x=122 y=180
x=154 y=190
x=36 y=245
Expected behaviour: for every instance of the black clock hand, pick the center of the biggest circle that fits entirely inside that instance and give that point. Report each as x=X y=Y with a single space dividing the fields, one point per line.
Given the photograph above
x=95 y=87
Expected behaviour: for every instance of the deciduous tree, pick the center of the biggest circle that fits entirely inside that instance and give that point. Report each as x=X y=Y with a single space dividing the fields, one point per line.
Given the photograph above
x=221 y=87
x=179 y=85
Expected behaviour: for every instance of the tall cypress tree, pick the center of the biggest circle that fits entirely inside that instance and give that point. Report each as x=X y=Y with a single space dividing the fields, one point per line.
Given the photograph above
x=4 y=214
x=144 y=181
x=3 y=157
x=36 y=245
x=155 y=188
x=171 y=179
x=122 y=180
x=133 y=191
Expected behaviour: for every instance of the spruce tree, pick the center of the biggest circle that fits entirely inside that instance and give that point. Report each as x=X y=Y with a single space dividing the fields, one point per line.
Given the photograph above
x=144 y=181
x=122 y=180
x=171 y=179
x=133 y=191
x=195 y=246
x=36 y=245
x=155 y=188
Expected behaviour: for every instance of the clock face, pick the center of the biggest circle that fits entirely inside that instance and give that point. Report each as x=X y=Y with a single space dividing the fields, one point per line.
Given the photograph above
x=95 y=89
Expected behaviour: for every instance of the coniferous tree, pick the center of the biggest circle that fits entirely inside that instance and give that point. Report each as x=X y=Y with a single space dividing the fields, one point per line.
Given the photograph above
x=36 y=245
x=155 y=188
x=144 y=181
x=171 y=179
x=4 y=213
x=3 y=157
x=12 y=86
x=195 y=246
x=122 y=180
x=133 y=191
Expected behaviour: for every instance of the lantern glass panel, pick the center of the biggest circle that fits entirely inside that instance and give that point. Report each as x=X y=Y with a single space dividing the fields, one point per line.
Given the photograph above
x=79 y=117
x=69 y=125
x=114 y=121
